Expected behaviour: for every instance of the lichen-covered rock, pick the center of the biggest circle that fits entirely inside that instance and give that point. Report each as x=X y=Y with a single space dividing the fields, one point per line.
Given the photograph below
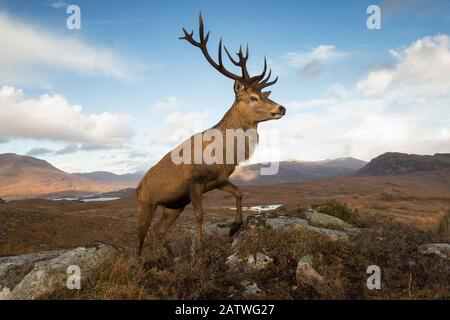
x=306 y=274
x=5 y=293
x=250 y=288
x=285 y=222
x=50 y=275
x=318 y=219
x=440 y=249
x=257 y=261
x=14 y=268
x=330 y=233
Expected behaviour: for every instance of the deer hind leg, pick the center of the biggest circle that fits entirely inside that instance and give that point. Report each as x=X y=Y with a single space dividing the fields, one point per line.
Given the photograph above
x=236 y=192
x=146 y=212
x=195 y=195
x=168 y=218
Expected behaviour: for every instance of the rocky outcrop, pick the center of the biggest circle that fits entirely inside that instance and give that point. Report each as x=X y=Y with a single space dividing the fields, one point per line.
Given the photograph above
x=14 y=269
x=306 y=274
x=440 y=249
x=285 y=222
x=318 y=219
x=36 y=276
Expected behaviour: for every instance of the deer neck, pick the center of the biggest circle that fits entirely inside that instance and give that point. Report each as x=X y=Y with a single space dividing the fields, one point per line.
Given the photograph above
x=234 y=119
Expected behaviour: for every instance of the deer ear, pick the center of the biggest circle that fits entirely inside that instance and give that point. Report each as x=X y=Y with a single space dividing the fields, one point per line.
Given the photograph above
x=238 y=88
x=266 y=94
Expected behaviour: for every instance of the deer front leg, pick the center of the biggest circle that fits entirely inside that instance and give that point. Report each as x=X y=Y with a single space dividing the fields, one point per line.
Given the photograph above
x=195 y=195
x=237 y=193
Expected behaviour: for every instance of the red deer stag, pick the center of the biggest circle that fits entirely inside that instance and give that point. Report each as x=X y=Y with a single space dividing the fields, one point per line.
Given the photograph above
x=173 y=186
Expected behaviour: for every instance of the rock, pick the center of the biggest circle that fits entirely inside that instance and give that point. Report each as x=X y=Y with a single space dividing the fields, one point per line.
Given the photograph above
x=284 y=222
x=330 y=233
x=2 y=201
x=5 y=294
x=250 y=287
x=257 y=261
x=14 y=268
x=305 y=272
x=233 y=260
x=318 y=219
x=440 y=249
x=50 y=275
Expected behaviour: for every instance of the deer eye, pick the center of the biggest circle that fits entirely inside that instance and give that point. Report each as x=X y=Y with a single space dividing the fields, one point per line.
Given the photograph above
x=253 y=98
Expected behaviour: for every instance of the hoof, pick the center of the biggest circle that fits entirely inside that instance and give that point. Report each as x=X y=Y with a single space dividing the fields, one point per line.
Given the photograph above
x=235 y=228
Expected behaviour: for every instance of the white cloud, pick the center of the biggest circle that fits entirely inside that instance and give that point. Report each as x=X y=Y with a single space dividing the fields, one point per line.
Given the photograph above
x=179 y=126
x=29 y=54
x=320 y=53
x=404 y=108
x=52 y=117
x=424 y=66
x=169 y=104
x=58 y=4
x=311 y=64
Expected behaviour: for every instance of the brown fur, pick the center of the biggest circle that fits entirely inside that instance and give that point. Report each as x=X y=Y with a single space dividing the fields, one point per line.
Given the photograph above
x=174 y=186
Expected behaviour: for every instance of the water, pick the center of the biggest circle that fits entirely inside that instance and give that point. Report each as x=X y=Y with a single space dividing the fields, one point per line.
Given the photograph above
x=261 y=208
x=88 y=199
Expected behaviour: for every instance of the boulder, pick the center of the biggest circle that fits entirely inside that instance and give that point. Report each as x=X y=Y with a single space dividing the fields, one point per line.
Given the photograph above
x=2 y=201
x=285 y=222
x=13 y=269
x=440 y=249
x=329 y=233
x=49 y=275
x=306 y=274
x=318 y=219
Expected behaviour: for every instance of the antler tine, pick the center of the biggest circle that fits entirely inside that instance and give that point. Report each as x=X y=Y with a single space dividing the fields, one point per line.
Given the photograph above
x=202 y=45
x=219 y=52
x=264 y=84
x=258 y=78
x=258 y=82
x=236 y=63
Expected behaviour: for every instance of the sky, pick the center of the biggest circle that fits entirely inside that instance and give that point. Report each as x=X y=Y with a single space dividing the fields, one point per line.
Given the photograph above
x=111 y=95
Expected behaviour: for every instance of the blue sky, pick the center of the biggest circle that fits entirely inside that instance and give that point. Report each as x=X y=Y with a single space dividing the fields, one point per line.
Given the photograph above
x=349 y=91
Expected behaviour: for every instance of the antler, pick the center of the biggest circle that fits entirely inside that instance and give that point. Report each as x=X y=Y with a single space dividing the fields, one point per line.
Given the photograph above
x=258 y=82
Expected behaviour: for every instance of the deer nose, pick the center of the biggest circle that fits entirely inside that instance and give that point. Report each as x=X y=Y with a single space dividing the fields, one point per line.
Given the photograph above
x=282 y=110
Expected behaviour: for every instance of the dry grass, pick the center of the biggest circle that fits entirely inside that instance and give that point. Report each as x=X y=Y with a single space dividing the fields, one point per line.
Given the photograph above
x=406 y=273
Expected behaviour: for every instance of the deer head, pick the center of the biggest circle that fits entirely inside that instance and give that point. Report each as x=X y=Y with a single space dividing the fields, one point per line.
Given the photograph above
x=251 y=102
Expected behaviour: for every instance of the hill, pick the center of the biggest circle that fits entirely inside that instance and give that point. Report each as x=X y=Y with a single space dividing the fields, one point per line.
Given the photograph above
x=129 y=179
x=24 y=176
x=392 y=163
x=298 y=171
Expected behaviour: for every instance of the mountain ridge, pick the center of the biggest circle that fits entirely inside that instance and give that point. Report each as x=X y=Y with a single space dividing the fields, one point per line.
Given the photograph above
x=393 y=163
